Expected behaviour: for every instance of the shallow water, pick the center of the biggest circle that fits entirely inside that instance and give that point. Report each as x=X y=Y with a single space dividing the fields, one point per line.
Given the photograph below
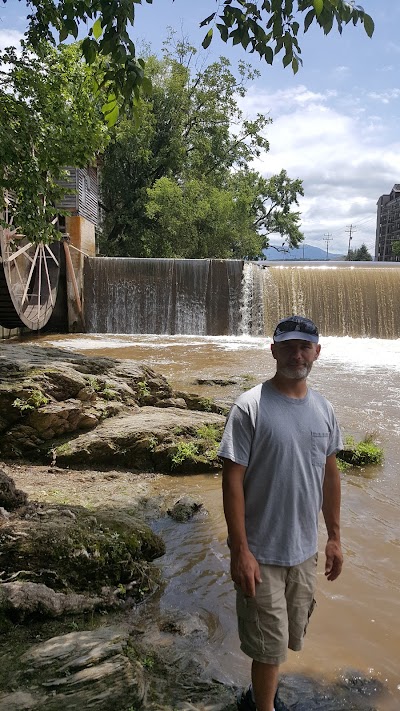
x=356 y=623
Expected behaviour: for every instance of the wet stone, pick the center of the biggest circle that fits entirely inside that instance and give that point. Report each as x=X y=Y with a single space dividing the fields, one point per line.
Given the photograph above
x=353 y=693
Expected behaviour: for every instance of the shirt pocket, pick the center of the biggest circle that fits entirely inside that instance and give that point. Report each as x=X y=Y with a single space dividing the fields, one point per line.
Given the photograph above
x=319 y=448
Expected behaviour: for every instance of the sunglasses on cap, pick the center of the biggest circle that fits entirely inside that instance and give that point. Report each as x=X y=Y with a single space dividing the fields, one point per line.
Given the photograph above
x=294 y=325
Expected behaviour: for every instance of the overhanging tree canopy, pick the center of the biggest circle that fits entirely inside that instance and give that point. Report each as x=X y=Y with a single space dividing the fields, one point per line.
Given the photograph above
x=266 y=27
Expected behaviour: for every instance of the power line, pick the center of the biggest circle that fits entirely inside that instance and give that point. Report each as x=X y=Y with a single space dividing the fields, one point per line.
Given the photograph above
x=350 y=231
x=327 y=238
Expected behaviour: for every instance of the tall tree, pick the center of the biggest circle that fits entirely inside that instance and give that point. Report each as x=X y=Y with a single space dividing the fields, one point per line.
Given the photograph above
x=48 y=120
x=179 y=184
x=359 y=255
x=396 y=248
x=266 y=27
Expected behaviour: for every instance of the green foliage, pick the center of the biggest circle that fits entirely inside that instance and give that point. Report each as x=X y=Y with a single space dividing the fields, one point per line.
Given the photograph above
x=271 y=28
x=34 y=400
x=94 y=383
x=396 y=248
x=184 y=451
x=148 y=662
x=359 y=255
x=104 y=390
x=143 y=389
x=179 y=184
x=209 y=432
x=360 y=454
x=267 y=27
x=108 y=393
x=49 y=119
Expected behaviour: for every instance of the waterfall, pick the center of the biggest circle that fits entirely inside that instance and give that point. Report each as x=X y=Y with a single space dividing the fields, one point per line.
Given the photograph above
x=343 y=301
x=165 y=296
x=231 y=297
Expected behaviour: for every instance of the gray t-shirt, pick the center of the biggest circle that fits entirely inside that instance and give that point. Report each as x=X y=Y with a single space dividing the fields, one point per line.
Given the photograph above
x=284 y=443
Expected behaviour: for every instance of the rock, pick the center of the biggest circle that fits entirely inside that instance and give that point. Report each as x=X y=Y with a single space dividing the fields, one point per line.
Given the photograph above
x=56 y=418
x=48 y=396
x=21 y=701
x=185 y=508
x=172 y=402
x=69 y=561
x=10 y=497
x=218 y=381
x=80 y=670
x=198 y=402
x=77 y=649
x=24 y=600
x=147 y=439
x=301 y=693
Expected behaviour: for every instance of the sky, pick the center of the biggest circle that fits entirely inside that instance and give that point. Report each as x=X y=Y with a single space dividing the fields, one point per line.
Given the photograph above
x=335 y=123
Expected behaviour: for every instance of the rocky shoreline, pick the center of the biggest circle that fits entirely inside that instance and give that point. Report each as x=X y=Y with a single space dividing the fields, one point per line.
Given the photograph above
x=78 y=586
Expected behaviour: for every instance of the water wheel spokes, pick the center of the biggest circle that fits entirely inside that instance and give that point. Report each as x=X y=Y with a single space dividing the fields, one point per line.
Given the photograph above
x=28 y=279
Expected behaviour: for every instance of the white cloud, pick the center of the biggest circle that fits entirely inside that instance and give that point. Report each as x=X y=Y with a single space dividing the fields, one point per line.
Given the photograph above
x=384 y=96
x=10 y=38
x=346 y=159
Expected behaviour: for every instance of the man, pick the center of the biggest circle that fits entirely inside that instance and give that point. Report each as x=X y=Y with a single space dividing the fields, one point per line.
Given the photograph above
x=279 y=449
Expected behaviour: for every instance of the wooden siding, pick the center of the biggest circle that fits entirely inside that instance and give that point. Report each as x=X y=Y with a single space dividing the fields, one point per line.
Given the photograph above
x=84 y=200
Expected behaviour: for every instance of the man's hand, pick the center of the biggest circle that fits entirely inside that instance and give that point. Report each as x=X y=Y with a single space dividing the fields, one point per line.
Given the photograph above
x=334 y=560
x=245 y=572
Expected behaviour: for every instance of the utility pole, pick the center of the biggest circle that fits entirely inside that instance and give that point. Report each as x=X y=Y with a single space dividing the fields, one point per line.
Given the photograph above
x=350 y=229
x=327 y=238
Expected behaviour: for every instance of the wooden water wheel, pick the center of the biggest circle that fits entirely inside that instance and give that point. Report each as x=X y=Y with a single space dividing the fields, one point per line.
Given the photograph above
x=29 y=275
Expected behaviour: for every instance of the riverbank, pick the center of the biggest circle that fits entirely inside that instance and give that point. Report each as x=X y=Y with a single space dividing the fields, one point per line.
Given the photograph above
x=129 y=656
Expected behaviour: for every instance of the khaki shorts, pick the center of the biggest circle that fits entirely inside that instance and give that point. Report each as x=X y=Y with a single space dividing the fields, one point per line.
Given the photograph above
x=277 y=617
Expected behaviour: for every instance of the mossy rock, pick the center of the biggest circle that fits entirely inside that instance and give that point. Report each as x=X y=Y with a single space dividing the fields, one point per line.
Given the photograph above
x=71 y=549
x=359 y=454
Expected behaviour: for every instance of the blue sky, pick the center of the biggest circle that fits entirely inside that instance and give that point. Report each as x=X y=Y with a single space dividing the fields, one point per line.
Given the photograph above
x=335 y=124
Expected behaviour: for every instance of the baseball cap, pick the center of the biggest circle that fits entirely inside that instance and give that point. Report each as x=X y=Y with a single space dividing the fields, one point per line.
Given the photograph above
x=298 y=327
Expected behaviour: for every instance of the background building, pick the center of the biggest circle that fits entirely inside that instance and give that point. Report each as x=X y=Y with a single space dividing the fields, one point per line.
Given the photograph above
x=388 y=225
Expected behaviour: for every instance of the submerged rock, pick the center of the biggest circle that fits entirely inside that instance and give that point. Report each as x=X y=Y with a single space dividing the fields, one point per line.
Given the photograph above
x=185 y=508
x=304 y=693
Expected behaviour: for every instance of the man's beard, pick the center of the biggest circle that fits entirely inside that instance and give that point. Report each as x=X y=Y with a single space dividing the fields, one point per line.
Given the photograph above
x=296 y=373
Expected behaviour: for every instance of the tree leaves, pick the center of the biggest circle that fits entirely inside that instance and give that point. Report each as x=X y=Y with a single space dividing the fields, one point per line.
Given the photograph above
x=49 y=119
x=207 y=39
x=259 y=26
x=369 y=25
x=318 y=6
x=180 y=184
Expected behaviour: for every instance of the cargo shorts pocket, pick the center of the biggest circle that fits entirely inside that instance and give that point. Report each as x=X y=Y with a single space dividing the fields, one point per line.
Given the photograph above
x=248 y=621
x=246 y=607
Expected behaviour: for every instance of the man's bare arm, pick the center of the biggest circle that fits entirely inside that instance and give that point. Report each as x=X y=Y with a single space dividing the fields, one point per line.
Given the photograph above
x=245 y=570
x=331 y=512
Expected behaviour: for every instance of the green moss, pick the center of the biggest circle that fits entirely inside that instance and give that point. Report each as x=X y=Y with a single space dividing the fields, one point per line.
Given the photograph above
x=143 y=389
x=63 y=450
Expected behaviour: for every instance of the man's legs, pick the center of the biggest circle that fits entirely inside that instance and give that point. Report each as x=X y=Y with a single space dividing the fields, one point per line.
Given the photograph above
x=264 y=678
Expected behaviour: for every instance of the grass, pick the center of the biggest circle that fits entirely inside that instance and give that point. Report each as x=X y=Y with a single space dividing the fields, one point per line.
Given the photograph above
x=184 y=451
x=359 y=454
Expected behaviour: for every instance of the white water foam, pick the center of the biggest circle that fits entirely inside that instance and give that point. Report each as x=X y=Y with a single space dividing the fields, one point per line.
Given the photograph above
x=354 y=353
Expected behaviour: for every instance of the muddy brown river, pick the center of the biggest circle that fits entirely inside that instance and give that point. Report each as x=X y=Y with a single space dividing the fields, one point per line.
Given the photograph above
x=356 y=625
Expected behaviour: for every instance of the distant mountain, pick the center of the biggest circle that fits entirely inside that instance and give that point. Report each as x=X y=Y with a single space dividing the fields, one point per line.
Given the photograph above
x=304 y=252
